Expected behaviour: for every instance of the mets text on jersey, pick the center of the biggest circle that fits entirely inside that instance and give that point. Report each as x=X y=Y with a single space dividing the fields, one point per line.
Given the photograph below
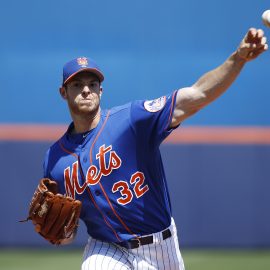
x=94 y=175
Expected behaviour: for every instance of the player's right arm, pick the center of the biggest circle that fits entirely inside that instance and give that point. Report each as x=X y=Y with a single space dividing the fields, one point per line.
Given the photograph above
x=212 y=84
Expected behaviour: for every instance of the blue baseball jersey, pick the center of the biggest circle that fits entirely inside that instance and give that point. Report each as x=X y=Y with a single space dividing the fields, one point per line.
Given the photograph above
x=116 y=170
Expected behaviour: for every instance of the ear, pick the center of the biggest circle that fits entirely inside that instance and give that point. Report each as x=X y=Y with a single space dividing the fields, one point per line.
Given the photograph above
x=100 y=91
x=63 y=92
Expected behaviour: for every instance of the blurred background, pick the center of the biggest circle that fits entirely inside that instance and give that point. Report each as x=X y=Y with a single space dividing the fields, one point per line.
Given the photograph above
x=218 y=162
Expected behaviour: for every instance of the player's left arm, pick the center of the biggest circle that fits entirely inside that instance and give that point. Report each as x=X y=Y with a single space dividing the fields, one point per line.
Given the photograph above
x=212 y=84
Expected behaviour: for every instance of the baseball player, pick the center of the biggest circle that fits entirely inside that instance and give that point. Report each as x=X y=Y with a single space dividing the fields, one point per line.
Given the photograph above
x=110 y=161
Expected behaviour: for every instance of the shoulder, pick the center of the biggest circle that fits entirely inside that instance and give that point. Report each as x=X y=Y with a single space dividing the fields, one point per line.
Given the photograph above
x=55 y=147
x=117 y=112
x=118 y=109
x=51 y=151
x=49 y=157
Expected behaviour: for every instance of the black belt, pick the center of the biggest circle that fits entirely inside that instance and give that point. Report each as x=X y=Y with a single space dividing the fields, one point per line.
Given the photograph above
x=144 y=240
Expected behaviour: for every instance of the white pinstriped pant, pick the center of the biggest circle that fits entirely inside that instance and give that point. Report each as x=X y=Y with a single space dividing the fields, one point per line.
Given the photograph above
x=162 y=254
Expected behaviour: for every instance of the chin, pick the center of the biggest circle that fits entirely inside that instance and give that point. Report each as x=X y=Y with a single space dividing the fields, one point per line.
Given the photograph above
x=87 y=110
x=84 y=109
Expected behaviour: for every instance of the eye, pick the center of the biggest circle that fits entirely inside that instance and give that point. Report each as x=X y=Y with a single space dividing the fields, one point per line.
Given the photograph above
x=93 y=84
x=77 y=84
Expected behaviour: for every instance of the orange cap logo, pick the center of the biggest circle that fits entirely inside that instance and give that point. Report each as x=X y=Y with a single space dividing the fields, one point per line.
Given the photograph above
x=82 y=61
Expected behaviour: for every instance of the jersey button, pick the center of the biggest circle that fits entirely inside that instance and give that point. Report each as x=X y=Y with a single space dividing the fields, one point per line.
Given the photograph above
x=97 y=192
x=82 y=149
x=84 y=159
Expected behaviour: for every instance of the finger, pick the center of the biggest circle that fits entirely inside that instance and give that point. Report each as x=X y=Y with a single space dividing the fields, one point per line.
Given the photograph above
x=255 y=35
x=262 y=49
x=250 y=46
x=258 y=52
x=262 y=43
x=259 y=34
x=254 y=54
x=263 y=40
x=258 y=45
x=251 y=34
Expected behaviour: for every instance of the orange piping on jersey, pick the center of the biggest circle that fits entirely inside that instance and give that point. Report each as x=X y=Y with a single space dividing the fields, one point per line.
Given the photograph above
x=118 y=217
x=67 y=151
x=104 y=192
x=89 y=192
x=105 y=219
x=171 y=110
x=91 y=149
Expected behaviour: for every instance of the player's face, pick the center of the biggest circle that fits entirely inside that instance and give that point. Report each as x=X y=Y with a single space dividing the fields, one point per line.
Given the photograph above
x=83 y=94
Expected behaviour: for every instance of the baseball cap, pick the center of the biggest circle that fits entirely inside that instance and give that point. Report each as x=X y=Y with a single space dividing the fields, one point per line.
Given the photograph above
x=80 y=64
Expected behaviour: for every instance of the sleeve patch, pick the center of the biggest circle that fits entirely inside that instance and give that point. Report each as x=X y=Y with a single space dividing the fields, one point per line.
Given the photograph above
x=155 y=105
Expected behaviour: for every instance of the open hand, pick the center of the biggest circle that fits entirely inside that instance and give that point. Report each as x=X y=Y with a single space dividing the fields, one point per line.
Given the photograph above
x=253 y=44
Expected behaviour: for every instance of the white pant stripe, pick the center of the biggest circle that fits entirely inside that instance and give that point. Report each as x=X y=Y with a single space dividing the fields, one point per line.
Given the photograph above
x=172 y=251
x=149 y=256
x=105 y=256
x=111 y=246
x=168 y=252
x=157 y=260
x=97 y=257
x=161 y=247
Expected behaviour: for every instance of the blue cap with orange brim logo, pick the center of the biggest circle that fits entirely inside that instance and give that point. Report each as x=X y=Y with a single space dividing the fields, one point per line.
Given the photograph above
x=80 y=64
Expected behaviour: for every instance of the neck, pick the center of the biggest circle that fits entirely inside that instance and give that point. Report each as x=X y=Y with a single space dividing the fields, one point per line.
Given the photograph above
x=84 y=123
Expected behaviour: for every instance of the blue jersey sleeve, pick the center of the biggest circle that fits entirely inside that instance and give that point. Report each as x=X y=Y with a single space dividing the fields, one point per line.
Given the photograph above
x=45 y=165
x=151 y=119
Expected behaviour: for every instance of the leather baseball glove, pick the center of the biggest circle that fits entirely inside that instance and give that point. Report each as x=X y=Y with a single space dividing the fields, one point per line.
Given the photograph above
x=54 y=215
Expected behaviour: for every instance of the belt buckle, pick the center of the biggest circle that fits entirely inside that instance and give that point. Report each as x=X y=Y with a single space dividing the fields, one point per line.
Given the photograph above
x=137 y=243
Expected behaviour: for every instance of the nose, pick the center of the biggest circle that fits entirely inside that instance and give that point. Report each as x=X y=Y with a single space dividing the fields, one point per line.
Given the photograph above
x=86 y=91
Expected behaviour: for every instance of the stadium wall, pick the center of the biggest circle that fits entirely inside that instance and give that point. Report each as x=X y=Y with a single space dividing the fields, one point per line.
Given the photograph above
x=219 y=192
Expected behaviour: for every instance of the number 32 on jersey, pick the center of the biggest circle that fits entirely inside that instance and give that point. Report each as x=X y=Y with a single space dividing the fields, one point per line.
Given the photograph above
x=136 y=185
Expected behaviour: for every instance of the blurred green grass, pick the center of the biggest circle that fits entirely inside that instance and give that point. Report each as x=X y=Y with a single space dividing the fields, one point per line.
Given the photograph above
x=204 y=259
